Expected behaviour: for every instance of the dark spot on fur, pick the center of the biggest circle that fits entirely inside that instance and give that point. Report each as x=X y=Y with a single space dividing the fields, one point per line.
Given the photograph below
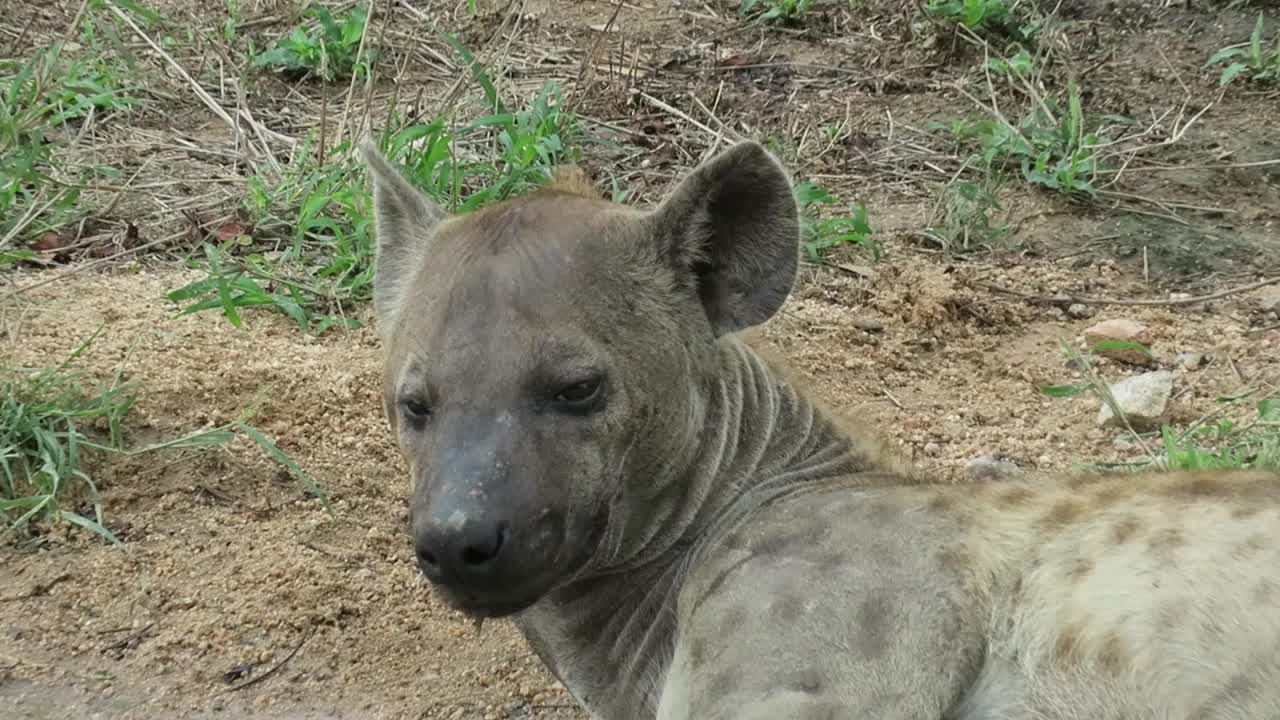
x=872 y=618
x=940 y=504
x=723 y=683
x=1080 y=569
x=833 y=560
x=1249 y=547
x=953 y=557
x=1109 y=495
x=1264 y=593
x=1165 y=543
x=788 y=608
x=1068 y=640
x=697 y=653
x=1063 y=513
x=1113 y=655
x=1016 y=497
x=1244 y=512
x=733 y=619
x=806 y=681
x=1124 y=529
x=771 y=545
x=715 y=584
x=1198 y=486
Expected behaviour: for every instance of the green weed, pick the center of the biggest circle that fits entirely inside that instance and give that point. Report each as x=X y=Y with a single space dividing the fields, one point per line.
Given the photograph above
x=964 y=221
x=331 y=50
x=766 y=10
x=40 y=97
x=820 y=235
x=1225 y=444
x=1207 y=444
x=976 y=15
x=1255 y=63
x=327 y=267
x=1052 y=146
x=53 y=420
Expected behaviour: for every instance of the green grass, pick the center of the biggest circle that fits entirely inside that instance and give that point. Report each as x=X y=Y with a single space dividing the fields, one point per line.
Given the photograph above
x=41 y=100
x=1019 y=24
x=309 y=254
x=1256 y=63
x=1211 y=442
x=976 y=15
x=56 y=422
x=819 y=234
x=766 y=10
x=330 y=49
x=964 y=218
x=1052 y=145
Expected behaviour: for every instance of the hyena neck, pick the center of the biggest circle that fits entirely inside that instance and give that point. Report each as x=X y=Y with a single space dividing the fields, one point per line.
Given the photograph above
x=608 y=636
x=764 y=437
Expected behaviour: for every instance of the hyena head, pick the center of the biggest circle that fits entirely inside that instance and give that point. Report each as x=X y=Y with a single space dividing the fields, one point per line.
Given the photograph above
x=548 y=362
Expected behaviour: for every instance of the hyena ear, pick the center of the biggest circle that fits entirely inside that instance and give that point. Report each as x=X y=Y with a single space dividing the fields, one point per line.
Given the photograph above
x=732 y=229
x=405 y=220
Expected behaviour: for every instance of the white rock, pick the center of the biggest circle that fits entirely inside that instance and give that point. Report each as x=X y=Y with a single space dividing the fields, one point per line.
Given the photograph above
x=1189 y=360
x=985 y=467
x=1079 y=311
x=1142 y=399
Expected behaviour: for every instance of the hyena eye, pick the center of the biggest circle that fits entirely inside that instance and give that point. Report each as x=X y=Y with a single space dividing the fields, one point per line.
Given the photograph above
x=581 y=396
x=415 y=409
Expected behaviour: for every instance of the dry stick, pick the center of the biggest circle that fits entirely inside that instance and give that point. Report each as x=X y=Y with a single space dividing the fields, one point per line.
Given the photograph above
x=1073 y=299
x=351 y=87
x=274 y=668
x=723 y=127
x=81 y=268
x=682 y=115
x=583 y=74
x=200 y=92
x=1225 y=166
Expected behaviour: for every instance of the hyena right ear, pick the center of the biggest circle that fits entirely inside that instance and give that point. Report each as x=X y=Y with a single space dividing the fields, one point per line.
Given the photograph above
x=405 y=220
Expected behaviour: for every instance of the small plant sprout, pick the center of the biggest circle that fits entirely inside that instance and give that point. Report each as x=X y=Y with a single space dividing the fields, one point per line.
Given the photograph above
x=766 y=10
x=820 y=235
x=330 y=51
x=1257 y=62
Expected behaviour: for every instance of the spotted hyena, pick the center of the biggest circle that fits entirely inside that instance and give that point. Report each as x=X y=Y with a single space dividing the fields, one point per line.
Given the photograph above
x=680 y=533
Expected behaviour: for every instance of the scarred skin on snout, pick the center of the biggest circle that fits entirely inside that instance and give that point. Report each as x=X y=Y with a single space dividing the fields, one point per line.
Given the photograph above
x=681 y=533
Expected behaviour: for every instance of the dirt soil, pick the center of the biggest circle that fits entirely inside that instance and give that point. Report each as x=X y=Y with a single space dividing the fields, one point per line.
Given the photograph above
x=231 y=572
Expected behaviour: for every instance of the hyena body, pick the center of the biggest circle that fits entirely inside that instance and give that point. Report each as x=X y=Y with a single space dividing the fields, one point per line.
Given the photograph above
x=682 y=534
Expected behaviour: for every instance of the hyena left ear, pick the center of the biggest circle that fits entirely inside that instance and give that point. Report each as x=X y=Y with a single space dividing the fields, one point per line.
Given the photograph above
x=405 y=221
x=732 y=228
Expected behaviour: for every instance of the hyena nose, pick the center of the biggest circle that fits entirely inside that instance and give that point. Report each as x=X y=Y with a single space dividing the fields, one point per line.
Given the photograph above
x=457 y=553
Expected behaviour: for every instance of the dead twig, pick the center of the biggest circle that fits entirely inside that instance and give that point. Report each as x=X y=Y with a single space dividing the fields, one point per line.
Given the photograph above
x=39 y=589
x=1084 y=300
x=273 y=669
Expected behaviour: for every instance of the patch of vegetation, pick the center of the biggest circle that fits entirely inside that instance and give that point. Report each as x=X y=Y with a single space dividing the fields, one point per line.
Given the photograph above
x=1206 y=444
x=52 y=420
x=963 y=219
x=39 y=99
x=1053 y=147
x=1225 y=444
x=325 y=209
x=976 y=15
x=329 y=50
x=820 y=235
x=1010 y=21
x=766 y=10
x=1255 y=63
